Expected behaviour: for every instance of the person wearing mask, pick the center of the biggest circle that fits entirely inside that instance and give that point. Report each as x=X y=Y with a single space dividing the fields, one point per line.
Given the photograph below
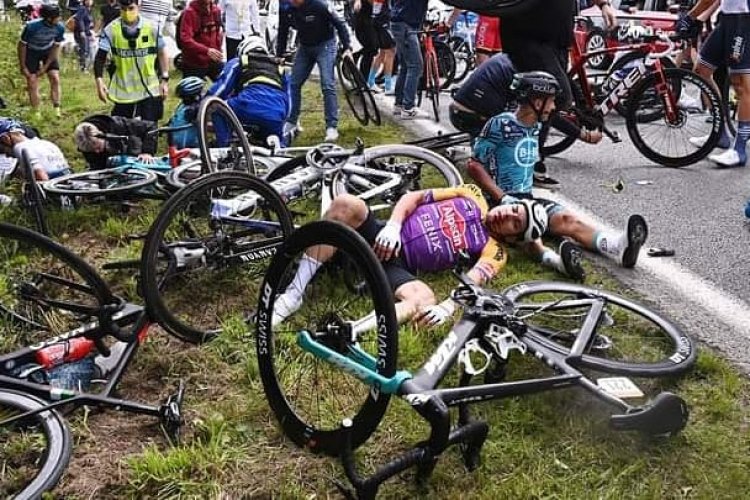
x=407 y=17
x=83 y=34
x=202 y=37
x=135 y=47
x=241 y=18
x=538 y=39
x=315 y=21
x=38 y=53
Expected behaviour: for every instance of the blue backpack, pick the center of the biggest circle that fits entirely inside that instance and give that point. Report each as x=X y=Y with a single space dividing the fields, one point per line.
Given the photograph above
x=184 y=115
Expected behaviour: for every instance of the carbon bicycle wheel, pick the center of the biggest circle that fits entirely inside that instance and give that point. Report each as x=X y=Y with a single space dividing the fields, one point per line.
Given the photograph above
x=694 y=128
x=354 y=86
x=446 y=63
x=418 y=168
x=464 y=58
x=222 y=141
x=206 y=252
x=309 y=396
x=628 y=338
x=108 y=182
x=45 y=289
x=35 y=451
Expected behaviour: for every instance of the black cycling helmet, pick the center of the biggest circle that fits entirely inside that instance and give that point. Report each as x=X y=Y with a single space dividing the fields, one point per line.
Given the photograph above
x=534 y=84
x=49 y=11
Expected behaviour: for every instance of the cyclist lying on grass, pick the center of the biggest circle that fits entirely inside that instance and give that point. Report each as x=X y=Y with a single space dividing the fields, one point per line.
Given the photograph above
x=503 y=166
x=428 y=230
x=89 y=138
x=46 y=159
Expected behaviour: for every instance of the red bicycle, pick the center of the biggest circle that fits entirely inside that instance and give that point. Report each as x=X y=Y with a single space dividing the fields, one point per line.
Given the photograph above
x=673 y=116
x=430 y=84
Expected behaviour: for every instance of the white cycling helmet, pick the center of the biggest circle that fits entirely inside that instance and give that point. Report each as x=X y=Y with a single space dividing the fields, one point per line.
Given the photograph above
x=252 y=43
x=537 y=220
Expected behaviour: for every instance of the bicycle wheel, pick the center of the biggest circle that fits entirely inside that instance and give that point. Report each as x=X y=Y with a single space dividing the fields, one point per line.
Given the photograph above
x=433 y=84
x=417 y=168
x=628 y=62
x=45 y=289
x=446 y=63
x=219 y=127
x=309 y=396
x=557 y=141
x=628 y=339
x=205 y=252
x=179 y=177
x=108 y=182
x=697 y=115
x=35 y=452
x=353 y=84
x=464 y=58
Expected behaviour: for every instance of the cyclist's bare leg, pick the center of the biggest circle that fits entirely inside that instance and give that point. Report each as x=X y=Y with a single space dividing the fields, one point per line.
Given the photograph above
x=411 y=298
x=32 y=85
x=567 y=224
x=54 y=86
x=707 y=73
x=741 y=85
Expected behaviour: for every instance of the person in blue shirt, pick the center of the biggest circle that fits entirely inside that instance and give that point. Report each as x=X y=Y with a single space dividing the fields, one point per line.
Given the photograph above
x=315 y=21
x=82 y=33
x=38 y=52
x=256 y=90
x=407 y=17
x=503 y=166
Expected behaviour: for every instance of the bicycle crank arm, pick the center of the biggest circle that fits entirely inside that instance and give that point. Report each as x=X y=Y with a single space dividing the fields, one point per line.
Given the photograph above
x=666 y=414
x=613 y=135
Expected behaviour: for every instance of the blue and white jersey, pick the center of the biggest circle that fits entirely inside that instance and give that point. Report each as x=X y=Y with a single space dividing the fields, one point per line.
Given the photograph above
x=39 y=35
x=509 y=150
x=735 y=7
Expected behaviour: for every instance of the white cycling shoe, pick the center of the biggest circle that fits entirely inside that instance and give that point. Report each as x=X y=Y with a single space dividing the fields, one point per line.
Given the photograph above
x=284 y=306
x=729 y=158
x=332 y=135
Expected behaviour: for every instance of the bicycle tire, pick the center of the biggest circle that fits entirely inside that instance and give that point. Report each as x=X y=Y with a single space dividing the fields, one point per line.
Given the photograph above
x=446 y=63
x=237 y=133
x=464 y=58
x=179 y=177
x=57 y=449
x=272 y=345
x=353 y=88
x=30 y=314
x=373 y=112
x=34 y=201
x=117 y=180
x=433 y=84
x=635 y=124
x=678 y=352
x=171 y=280
x=445 y=169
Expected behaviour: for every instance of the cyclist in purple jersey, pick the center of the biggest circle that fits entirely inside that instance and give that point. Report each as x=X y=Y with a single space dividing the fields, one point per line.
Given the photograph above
x=427 y=231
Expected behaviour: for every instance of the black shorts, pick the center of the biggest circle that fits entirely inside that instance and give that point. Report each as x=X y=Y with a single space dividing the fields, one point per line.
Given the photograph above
x=471 y=123
x=36 y=58
x=535 y=56
x=395 y=269
x=150 y=109
x=383 y=37
x=728 y=45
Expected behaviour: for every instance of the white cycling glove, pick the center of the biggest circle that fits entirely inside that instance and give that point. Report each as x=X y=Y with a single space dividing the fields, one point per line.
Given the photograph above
x=390 y=237
x=439 y=313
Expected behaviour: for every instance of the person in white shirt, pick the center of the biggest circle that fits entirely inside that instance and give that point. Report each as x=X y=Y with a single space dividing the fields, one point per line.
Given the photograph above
x=241 y=19
x=45 y=158
x=160 y=13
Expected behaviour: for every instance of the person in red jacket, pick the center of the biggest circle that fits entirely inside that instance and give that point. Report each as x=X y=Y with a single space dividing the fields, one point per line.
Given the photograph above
x=201 y=34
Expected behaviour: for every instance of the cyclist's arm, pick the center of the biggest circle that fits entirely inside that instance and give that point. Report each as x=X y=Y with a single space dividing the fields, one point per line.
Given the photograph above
x=701 y=7
x=410 y=201
x=406 y=205
x=491 y=261
x=479 y=174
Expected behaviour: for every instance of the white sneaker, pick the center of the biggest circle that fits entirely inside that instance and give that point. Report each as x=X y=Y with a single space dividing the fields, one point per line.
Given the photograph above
x=375 y=89
x=332 y=135
x=411 y=114
x=390 y=91
x=284 y=307
x=729 y=158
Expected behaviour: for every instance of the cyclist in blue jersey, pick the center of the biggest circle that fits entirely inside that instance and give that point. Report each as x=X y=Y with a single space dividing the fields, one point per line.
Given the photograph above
x=257 y=91
x=190 y=92
x=427 y=231
x=38 y=52
x=503 y=166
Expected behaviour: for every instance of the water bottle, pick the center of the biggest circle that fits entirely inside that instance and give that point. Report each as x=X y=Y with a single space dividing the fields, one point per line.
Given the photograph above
x=614 y=80
x=64 y=352
x=747 y=209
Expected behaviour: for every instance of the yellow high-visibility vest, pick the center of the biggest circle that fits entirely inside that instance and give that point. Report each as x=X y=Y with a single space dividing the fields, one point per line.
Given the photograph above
x=135 y=76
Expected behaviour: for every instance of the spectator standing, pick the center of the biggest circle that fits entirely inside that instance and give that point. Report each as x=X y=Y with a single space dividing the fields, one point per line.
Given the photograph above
x=407 y=17
x=315 y=21
x=241 y=19
x=38 y=52
x=83 y=34
x=202 y=37
x=364 y=30
x=110 y=11
x=386 y=47
x=159 y=13
x=135 y=47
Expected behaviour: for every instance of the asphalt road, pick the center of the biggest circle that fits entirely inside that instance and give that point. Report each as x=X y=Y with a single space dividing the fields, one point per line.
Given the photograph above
x=696 y=210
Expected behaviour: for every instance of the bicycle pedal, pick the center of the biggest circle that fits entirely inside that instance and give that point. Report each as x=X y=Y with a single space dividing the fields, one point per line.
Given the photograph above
x=171 y=413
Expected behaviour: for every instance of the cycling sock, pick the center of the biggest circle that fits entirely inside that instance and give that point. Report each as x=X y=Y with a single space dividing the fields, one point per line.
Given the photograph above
x=608 y=243
x=305 y=272
x=743 y=134
x=371 y=77
x=552 y=259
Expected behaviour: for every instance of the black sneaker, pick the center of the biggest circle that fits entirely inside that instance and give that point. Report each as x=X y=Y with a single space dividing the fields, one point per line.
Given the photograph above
x=637 y=232
x=540 y=168
x=572 y=257
x=544 y=181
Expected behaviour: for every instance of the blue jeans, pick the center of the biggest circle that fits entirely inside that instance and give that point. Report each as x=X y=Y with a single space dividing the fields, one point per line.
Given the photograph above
x=410 y=64
x=324 y=55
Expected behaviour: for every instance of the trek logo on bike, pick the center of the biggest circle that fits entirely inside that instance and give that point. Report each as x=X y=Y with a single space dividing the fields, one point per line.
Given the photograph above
x=527 y=152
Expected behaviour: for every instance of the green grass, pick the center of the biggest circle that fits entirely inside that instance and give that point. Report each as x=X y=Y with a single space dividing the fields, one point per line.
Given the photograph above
x=552 y=445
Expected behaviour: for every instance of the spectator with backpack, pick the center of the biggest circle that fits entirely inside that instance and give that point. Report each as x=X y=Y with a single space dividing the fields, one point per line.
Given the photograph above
x=257 y=91
x=200 y=37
